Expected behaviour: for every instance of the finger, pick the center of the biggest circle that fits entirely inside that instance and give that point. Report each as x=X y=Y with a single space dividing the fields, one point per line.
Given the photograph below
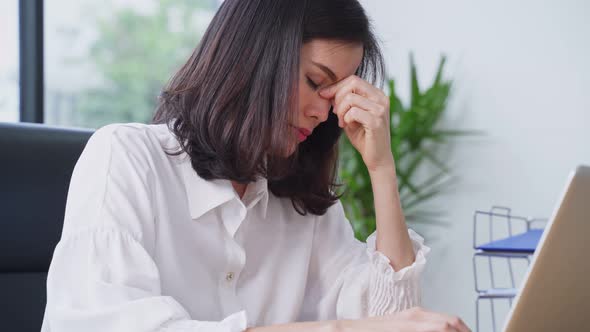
x=462 y=326
x=361 y=88
x=449 y=327
x=359 y=101
x=453 y=321
x=352 y=84
x=355 y=114
x=330 y=91
x=435 y=326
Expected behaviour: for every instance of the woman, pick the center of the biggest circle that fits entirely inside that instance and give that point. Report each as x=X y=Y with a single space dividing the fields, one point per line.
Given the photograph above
x=222 y=215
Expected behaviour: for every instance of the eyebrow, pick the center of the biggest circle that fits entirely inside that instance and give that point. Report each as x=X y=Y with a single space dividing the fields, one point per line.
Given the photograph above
x=326 y=70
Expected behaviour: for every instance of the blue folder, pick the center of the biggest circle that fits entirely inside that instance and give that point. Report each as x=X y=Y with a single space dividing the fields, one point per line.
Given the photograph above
x=522 y=243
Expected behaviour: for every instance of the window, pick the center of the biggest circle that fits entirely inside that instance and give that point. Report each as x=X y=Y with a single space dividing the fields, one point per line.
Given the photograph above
x=9 y=75
x=106 y=61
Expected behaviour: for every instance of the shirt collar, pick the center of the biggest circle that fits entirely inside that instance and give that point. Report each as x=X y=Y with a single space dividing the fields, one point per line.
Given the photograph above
x=205 y=195
x=257 y=193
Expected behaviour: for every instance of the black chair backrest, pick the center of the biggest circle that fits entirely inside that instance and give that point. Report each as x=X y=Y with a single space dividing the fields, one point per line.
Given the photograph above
x=36 y=163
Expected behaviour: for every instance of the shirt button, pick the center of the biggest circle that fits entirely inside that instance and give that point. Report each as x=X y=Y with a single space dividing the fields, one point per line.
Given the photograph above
x=229 y=276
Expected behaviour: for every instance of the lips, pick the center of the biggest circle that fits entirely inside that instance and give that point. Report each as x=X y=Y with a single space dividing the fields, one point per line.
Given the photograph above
x=305 y=132
x=302 y=133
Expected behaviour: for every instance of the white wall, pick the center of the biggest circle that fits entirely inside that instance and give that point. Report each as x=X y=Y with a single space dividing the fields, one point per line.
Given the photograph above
x=522 y=72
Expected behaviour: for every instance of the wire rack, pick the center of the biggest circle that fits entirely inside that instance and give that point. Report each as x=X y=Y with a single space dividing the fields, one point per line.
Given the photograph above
x=489 y=227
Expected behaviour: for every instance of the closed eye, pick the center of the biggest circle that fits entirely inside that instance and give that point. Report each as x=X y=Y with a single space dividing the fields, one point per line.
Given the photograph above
x=312 y=84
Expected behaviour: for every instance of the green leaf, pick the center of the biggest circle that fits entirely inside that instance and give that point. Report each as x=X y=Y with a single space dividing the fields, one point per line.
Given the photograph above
x=441 y=65
x=413 y=166
x=433 y=159
x=395 y=104
x=405 y=182
x=441 y=135
x=434 y=180
x=418 y=219
x=422 y=197
x=415 y=97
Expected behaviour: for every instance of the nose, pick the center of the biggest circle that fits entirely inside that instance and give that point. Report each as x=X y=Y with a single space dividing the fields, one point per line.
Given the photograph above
x=319 y=109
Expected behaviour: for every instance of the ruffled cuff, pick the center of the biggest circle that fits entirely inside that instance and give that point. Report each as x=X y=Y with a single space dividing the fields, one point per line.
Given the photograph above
x=390 y=290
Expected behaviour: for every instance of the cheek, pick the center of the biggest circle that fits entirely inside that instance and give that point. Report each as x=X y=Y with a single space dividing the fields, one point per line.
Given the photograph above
x=305 y=97
x=302 y=97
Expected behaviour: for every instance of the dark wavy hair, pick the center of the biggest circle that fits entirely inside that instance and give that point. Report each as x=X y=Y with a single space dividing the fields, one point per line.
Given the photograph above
x=231 y=103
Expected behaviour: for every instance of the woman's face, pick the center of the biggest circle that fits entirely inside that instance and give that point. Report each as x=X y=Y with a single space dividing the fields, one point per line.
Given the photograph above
x=323 y=62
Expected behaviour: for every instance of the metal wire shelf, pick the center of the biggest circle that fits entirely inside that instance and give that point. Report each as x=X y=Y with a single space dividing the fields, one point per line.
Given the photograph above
x=493 y=217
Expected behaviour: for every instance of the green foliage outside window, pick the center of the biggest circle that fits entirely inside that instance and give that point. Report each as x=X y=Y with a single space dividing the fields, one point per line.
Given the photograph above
x=136 y=53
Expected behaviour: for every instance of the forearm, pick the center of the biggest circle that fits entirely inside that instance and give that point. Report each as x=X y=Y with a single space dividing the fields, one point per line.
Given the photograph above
x=341 y=325
x=392 y=233
x=321 y=326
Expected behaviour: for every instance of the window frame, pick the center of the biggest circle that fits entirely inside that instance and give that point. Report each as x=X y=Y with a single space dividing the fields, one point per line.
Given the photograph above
x=31 y=75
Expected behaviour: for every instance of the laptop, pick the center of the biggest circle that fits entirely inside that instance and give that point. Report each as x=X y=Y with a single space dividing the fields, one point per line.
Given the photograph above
x=555 y=295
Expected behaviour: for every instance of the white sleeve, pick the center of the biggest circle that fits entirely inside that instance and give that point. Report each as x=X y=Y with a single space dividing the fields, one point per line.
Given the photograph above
x=104 y=280
x=349 y=279
x=102 y=275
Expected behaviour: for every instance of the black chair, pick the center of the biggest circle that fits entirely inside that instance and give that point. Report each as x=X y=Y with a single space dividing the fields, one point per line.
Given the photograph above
x=36 y=163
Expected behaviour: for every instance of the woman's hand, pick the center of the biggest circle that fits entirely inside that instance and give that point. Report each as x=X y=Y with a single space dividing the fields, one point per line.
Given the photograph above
x=363 y=112
x=412 y=320
x=415 y=320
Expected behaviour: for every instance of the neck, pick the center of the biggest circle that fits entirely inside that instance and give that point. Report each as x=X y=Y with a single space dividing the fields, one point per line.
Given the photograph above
x=240 y=188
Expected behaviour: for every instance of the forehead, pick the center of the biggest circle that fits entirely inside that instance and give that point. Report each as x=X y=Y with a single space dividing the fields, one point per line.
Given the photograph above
x=343 y=58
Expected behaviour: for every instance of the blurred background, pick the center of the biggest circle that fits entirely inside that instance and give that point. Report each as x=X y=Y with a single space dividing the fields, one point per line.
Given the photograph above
x=520 y=70
x=522 y=75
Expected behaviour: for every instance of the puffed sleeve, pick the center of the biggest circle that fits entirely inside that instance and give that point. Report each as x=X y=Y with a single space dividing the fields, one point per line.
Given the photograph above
x=349 y=279
x=102 y=275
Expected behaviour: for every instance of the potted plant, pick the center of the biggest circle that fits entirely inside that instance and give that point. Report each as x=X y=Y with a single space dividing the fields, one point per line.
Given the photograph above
x=415 y=140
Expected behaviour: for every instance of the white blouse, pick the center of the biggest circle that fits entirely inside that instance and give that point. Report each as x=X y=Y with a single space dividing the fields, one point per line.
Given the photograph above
x=148 y=245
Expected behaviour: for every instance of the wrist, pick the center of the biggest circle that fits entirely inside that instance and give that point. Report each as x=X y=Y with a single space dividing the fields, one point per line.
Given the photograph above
x=386 y=166
x=383 y=173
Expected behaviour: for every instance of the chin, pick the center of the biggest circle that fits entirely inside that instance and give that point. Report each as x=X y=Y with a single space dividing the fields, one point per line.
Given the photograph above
x=291 y=151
